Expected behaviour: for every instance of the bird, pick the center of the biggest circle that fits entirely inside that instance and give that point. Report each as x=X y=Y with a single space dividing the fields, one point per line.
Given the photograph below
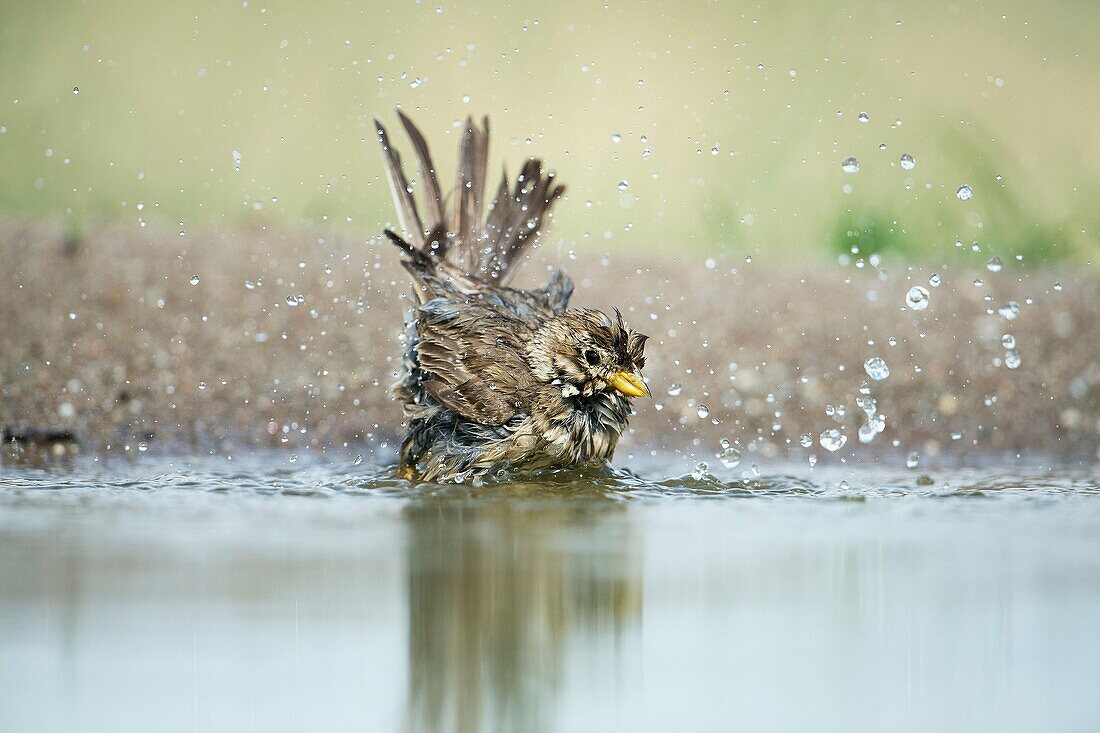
x=495 y=380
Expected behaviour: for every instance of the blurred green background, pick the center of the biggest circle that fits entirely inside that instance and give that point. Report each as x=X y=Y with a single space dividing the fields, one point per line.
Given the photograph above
x=691 y=127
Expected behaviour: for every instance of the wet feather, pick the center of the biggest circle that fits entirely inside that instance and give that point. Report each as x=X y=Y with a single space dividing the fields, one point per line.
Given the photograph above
x=497 y=378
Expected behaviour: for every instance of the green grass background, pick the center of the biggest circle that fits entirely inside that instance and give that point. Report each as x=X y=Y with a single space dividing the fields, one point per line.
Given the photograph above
x=746 y=111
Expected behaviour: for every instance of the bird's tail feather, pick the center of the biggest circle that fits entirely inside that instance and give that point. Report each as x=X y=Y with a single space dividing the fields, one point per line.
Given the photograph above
x=484 y=243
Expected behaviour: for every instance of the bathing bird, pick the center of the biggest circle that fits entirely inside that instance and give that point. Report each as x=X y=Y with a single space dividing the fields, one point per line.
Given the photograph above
x=496 y=380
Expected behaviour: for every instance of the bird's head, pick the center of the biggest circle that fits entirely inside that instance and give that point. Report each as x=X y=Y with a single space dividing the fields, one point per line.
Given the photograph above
x=586 y=352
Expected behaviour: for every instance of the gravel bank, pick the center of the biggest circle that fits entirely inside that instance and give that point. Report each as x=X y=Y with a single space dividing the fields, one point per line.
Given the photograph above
x=219 y=339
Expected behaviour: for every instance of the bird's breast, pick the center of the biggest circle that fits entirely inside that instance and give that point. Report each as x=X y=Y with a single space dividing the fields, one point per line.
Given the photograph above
x=589 y=430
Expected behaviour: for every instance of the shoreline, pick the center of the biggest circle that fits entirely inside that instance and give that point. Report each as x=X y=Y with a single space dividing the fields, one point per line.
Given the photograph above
x=109 y=339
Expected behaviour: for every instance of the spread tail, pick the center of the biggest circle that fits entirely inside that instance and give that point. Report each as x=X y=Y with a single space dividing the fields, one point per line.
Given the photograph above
x=483 y=243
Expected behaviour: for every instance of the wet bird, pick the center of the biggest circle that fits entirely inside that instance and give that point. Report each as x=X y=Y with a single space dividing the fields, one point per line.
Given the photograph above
x=495 y=379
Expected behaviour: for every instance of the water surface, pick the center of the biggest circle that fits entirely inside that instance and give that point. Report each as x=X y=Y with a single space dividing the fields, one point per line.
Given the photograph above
x=168 y=593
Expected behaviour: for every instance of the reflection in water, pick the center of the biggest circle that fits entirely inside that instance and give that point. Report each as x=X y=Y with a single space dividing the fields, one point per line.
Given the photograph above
x=143 y=596
x=496 y=592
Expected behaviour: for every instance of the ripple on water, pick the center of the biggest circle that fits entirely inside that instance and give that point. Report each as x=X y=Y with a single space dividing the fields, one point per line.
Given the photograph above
x=86 y=479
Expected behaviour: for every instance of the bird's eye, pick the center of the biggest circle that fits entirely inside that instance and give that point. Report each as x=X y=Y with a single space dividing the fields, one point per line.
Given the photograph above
x=591 y=357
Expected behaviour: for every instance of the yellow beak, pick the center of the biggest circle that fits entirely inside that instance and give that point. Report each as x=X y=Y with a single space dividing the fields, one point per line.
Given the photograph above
x=629 y=384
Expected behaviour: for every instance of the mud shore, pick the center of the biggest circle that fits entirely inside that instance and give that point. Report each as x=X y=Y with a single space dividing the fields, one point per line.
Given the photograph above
x=127 y=335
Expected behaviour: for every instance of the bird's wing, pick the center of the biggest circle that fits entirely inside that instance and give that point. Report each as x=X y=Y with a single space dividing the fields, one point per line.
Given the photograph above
x=472 y=356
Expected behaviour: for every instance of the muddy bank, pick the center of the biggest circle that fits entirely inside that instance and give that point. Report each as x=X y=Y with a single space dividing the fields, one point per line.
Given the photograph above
x=289 y=339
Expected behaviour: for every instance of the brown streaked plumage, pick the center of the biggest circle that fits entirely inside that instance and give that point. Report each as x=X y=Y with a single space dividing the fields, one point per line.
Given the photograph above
x=495 y=378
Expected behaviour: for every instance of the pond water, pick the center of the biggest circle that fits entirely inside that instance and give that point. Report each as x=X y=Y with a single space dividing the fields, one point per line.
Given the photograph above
x=168 y=593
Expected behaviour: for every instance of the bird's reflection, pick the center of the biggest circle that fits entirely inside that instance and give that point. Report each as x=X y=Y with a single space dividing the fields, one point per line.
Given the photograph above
x=497 y=589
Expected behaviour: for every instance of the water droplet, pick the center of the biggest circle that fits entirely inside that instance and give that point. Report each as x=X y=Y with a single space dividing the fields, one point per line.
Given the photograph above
x=616 y=138
x=907 y=162
x=202 y=385
x=965 y=193
x=876 y=368
x=994 y=265
x=1008 y=341
x=623 y=185
x=194 y=280
x=76 y=90
x=850 y=165
x=730 y=456
x=917 y=298
x=1012 y=360
x=1009 y=310
x=702 y=411
x=236 y=160
x=912 y=460
x=867 y=433
x=806 y=440
x=1058 y=287
x=934 y=280
x=143 y=446
x=358 y=460
x=832 y=439
x=249 y=285
x=675 y=390
x=863 y=117
x=700 y=471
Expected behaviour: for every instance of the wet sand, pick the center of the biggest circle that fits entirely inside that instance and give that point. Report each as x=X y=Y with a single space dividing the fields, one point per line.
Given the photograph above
x=290 y=338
